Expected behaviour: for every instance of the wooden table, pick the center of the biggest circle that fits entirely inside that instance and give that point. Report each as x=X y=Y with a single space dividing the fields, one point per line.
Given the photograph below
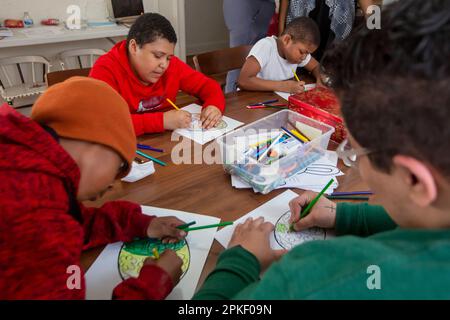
x=201 y=188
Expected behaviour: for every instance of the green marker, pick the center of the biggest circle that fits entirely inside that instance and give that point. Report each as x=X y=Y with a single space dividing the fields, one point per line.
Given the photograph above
x=307 y=210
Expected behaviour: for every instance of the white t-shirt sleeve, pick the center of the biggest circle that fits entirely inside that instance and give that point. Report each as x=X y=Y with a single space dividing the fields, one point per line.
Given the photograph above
x=261 y=51
x=306 y=61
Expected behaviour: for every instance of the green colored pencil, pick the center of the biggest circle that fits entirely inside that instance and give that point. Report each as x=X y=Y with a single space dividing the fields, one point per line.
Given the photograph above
x=305 y=212
x=186 y=225
x=348 y=198
x=151 y=158
x=222 y=224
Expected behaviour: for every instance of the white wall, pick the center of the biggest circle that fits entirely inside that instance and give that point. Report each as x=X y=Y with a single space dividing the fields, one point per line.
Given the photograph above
x=205 y=26
x=92 y=10
x=43 y=9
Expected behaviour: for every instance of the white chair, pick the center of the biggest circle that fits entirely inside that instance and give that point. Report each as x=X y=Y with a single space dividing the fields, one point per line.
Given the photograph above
x=79 y=59
x=22 y=77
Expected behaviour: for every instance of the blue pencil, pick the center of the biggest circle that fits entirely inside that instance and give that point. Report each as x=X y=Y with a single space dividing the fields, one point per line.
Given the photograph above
x=351 y=193
x=292 y=135
x=145 y=147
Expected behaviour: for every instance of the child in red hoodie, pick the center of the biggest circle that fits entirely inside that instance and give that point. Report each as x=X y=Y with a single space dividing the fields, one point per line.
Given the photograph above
x=144 y=70
x=51 y=162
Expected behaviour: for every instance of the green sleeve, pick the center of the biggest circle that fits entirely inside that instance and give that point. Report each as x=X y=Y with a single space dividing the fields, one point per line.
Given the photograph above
x=362 y=219
x=235 y=270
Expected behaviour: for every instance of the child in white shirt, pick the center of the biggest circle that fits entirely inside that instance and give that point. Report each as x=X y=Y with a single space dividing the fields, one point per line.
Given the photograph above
x=271 y=63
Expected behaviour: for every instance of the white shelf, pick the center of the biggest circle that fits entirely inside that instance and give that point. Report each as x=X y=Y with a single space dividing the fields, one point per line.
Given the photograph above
x=20 y=39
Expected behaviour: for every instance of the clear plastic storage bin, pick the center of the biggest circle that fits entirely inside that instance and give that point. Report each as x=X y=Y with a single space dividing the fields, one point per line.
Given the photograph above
x=265 y=177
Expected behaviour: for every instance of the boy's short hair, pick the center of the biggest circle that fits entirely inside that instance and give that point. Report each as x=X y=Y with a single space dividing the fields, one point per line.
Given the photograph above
x=393 y=83
x=303 y=29
x=401 y=116
x=150 y=27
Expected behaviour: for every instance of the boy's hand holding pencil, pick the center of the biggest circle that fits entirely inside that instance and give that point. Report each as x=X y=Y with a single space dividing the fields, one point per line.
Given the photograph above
x=293 y=87
x=165 y=228
x=322 y=215
x=177 y=119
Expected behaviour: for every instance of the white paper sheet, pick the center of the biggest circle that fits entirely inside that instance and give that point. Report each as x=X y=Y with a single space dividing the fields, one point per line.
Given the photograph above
x=104 y=275
x=276 y=211
x=203 y=137
x=140 y=171
x=286 y=95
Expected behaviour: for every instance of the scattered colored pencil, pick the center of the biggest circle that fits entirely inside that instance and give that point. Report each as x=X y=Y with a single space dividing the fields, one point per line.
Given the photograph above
x=265 y=102
x=222 y=224
x=145 y=147
x=139 y=160
x=348 y=198
x=186 y=225
x=172 y=104
x=352 y=193
x=151 y=158
x=308 y=209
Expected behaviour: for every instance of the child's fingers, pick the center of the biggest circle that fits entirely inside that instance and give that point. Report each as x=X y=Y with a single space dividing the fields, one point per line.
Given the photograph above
x=304 y=223
x=298 y=203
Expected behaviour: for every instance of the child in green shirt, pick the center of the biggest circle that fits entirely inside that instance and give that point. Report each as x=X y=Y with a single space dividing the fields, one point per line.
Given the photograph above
x=399 y=140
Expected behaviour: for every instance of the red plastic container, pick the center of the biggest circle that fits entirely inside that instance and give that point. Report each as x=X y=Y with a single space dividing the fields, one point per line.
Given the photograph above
x=320 y=104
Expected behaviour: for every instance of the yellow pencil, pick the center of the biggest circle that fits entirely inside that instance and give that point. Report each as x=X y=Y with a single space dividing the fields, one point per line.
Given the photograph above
x=295 y=75
x=155 y=253
x=172 y=104
x=299 y=135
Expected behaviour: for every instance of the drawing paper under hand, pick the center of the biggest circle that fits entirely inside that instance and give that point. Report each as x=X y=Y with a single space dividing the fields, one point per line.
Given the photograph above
x=118 y=261
x=205 y=136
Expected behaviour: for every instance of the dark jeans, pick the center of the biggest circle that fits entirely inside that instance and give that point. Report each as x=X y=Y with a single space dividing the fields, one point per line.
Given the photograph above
x=248 y=22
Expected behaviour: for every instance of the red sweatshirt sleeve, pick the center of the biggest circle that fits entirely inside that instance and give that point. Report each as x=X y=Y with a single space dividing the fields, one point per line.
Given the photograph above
x=115 y=221
x=200 y=86
x=148 y=123
x=153 y=283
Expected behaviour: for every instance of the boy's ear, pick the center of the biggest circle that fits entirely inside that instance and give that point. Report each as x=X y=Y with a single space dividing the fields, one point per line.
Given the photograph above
x=417 y=179
x=132 y=46
x=286 y=39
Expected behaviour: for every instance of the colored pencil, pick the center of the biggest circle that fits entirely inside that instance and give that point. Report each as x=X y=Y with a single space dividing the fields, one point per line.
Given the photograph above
x=348 y=198
x=292 y=135
x=172 y=104
x=151 y=158
x=352 y=193
x=264 y=102
x=186 y=225
x=222 y=224
x=308 y=209
x=145 y=147
x=295 y=75
x=299 y=135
